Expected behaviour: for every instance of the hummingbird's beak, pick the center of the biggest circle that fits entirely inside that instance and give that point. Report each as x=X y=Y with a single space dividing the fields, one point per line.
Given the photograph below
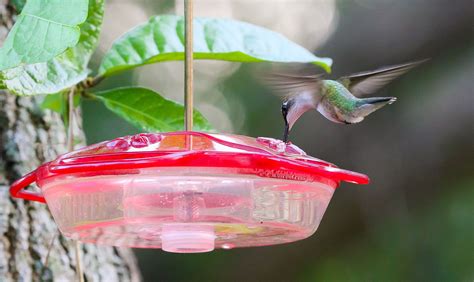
x=284 y=111
x=292 y=110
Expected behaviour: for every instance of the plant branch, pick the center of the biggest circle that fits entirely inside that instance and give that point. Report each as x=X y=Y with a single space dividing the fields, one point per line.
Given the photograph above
x=95 y=80
x=48 y=254
x=90 y=82
x=70 y=147
x=70 y=128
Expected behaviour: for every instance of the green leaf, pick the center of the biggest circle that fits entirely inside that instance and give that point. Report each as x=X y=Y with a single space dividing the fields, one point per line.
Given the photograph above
x=148 y=110
x=162 y=39
x=55 y=102
x=18 y=4
x=62 y=71
x=58 y=102
x=43 y=30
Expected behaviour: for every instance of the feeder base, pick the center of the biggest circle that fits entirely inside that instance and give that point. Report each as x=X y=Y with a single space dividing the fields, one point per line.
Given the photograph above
x=181 y=210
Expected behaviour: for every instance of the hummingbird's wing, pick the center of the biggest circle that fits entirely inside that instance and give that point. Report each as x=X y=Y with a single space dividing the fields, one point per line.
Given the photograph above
x=363 y=83
x=289 y=85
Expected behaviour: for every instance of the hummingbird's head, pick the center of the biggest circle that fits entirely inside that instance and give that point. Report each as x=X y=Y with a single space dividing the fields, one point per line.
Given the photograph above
x=366 y=106
x=293 y=108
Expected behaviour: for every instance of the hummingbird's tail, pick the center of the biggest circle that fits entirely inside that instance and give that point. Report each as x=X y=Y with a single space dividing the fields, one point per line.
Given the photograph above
x=367 y=106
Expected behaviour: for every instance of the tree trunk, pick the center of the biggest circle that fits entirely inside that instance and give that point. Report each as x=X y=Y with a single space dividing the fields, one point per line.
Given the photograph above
x=29 y=137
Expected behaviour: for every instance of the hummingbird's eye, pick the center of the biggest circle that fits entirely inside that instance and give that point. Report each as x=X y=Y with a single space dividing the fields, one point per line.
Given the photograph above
x=284 y=107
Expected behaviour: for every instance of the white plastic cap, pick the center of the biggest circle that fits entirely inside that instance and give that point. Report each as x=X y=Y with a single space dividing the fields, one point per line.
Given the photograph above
x=187 y=238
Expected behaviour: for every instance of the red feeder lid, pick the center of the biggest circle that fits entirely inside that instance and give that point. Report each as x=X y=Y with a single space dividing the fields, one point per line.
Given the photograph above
x=265 y=157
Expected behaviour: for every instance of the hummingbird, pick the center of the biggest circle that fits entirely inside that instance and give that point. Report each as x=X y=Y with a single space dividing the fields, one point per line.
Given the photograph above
x=340 y=101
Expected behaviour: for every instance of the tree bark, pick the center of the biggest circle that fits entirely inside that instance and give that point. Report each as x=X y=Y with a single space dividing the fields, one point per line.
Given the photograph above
x=30 y=136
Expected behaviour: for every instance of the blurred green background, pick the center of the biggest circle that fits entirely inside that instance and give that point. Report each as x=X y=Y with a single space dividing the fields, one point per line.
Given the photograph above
x=414 y=222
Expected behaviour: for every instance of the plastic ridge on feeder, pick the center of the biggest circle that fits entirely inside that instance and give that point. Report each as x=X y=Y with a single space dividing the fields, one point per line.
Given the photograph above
x=186 y=192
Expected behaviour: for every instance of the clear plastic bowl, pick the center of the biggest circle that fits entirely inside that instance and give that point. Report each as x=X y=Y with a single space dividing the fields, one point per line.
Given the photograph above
x=157 y=207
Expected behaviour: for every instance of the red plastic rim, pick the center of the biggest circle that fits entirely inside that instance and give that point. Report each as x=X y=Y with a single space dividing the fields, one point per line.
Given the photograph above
x=263 y=157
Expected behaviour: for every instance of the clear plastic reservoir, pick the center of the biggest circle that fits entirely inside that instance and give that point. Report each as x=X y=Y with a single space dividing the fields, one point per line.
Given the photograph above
x=185 y=210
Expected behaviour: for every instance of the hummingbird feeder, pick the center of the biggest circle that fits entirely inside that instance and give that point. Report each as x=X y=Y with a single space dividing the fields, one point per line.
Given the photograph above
x=186 y=192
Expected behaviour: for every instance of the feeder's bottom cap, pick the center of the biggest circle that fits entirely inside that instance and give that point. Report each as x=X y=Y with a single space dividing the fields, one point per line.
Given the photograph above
x=187 y=239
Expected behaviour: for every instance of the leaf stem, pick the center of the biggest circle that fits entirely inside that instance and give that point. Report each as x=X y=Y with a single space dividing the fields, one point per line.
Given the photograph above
x=188 y=65
x=48 y=253
x=79 y=270
x=70 y=128
x=88 y=95
x=94 y=81
x=90 y=82
x=70 y=147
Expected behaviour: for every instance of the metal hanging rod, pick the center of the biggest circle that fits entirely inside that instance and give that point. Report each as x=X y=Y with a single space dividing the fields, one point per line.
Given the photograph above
x=188 y=65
